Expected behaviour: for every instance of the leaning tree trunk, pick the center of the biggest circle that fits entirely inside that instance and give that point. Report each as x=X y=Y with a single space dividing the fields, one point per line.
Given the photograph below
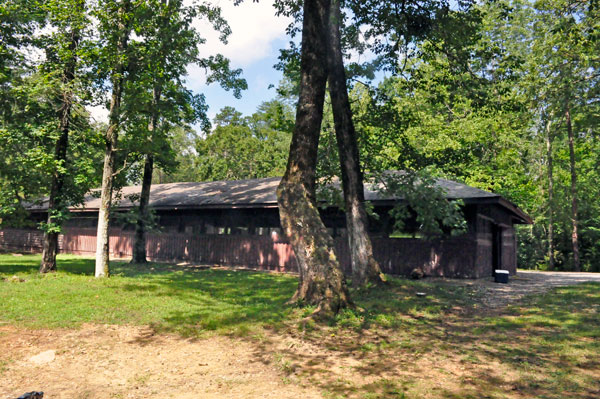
x=574 y=233
x=110 y=139
x=321 y=281
x=551 y=262
x=55 y=201
x=365 y=268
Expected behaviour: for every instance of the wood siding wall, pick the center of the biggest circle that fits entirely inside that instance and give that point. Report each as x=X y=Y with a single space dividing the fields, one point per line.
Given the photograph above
x=507 y=251
x=452 y=257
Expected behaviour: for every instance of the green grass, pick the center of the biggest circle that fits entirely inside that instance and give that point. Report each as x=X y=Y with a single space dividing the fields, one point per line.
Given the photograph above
x=546 y=346
x=187 y=301
x=445 y=344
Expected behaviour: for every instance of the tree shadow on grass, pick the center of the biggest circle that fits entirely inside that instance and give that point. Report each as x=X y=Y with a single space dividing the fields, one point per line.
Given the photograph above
x=545 y=346
x=14 y=263
x=213 y=299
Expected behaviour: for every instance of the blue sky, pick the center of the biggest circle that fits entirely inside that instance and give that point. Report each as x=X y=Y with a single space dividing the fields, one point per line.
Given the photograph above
x=259 y=74
x=257 y=35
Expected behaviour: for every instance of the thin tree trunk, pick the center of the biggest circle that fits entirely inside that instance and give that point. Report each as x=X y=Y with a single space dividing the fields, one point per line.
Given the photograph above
x=574 y=221
x=50 y=244
x=111 y=139
x=551 y=261
x=321 y=281
x=365 y=268
x=139 y=243
x=55 y=201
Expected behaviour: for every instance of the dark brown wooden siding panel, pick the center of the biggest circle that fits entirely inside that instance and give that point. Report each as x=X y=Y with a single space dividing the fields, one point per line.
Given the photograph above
x=452 y=257
x=483 y=260
x=509 y=250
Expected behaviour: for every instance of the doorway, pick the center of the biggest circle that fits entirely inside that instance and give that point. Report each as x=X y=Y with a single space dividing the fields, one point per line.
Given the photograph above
x=496 y=248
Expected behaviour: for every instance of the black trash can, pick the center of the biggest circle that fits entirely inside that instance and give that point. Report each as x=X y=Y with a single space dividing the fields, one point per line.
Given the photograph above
x=501 y=276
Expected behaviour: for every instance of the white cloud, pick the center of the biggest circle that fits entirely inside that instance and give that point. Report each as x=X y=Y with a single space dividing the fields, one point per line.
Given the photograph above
x=99 y=113
x=255 y=32
x=254 y=27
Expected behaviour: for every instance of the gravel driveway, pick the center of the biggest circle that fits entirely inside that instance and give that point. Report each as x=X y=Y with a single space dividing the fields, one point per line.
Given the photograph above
x=526 y=282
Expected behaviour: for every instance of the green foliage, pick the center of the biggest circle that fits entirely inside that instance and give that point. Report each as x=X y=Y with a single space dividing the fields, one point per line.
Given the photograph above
x=183 y=143
x=245 y=147
x=425 y=200
x=473 y=103
x=167 y=43
x=27 y=139
x=38 y=89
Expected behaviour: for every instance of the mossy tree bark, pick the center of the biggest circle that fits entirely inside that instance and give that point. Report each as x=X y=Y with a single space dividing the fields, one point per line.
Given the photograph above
x=321 y=281
x=365 y=268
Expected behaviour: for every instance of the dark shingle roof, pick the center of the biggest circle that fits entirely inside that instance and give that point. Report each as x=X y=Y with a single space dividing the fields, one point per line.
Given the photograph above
x=248 y=193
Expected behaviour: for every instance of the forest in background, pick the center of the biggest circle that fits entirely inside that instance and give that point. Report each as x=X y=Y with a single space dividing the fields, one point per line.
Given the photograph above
x=503 y=97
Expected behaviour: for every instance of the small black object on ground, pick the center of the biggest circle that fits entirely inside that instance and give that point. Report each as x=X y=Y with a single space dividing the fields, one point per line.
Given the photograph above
x=501 y=276
x=32 y=395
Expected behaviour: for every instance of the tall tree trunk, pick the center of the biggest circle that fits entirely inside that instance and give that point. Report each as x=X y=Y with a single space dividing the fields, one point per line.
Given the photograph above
x=321 y=281
x=364 y=266
x=574 y=233
x=139 y=243
x=111 y=139
x=551 y=261
x=50 y=244
x=55 y=202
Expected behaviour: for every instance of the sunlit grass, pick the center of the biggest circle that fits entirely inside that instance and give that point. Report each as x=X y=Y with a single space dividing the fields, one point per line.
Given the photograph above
x=187 y=301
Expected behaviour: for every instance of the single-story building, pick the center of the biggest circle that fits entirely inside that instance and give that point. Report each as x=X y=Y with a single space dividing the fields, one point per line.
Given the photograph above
x=237 y=222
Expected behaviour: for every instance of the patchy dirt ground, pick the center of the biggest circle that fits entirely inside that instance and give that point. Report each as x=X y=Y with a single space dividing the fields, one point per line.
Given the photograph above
x=105 y=361
x=130 y=362
x=101 y=362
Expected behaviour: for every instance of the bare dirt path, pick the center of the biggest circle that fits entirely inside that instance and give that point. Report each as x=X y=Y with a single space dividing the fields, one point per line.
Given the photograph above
x=106 y=362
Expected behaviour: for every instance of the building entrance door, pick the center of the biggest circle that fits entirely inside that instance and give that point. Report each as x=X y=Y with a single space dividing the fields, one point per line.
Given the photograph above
x=496 y=248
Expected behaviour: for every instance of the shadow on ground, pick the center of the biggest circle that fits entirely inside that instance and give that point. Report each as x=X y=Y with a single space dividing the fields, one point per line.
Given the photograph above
x=447 y=345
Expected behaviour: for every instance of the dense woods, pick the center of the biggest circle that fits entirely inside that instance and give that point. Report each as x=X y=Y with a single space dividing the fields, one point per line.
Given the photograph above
x=501 y=95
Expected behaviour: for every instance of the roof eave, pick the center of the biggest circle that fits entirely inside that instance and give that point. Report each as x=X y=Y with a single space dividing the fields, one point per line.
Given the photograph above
x=521 y=217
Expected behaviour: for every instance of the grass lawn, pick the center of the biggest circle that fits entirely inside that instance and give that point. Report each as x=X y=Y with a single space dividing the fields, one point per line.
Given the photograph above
x=394 y=344
x=169 y=298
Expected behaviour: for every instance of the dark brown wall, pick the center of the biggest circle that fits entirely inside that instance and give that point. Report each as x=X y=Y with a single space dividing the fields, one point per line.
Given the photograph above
x=492 y=220
x=451 y=257
x=194 y=235
x=399 y=256
x=483 y=234
x=509 y=250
